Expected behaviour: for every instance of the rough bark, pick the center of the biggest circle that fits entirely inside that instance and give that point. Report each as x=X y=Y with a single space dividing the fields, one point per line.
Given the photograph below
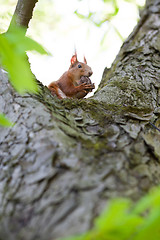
x=64 y=159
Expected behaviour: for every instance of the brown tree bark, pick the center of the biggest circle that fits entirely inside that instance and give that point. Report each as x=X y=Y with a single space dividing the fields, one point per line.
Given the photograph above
x=23 y=13
x=64 y=159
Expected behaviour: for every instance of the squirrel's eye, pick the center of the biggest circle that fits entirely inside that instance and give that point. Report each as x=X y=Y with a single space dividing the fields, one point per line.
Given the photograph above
x=79 y=66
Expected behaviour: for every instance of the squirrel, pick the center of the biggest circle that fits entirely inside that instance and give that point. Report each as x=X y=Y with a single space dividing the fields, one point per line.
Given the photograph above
x=74 y=83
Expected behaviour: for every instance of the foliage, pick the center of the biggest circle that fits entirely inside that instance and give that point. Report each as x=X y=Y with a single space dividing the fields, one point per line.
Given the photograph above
x=13 y=47
x=93 y=15
x=124 y=220
x=109 y=10
x=4 y=121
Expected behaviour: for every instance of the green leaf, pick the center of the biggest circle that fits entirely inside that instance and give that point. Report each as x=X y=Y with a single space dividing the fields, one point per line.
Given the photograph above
x=4 y=121
x=117 y=221
x=23 y=43
x=151 y=228
x=13 y=47
x=151 y=200
x=17 y=67
x=124 y=220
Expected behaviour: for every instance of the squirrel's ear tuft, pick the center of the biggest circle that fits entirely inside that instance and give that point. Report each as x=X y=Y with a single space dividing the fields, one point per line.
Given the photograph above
x=74 y=59
x=85 y=61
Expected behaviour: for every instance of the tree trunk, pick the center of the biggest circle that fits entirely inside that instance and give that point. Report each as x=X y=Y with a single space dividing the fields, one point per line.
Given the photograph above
x=64 y=159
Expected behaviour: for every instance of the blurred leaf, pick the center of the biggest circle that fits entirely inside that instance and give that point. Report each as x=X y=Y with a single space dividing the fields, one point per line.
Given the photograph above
x=108 y=1
x=16 y=64
x=93 y=15
x=152 y=199
x=13 y=47
x=117 y=220
x=80 y=15
x=124 y=220
x=90 y=17
x=4 y=121
x=115 y=10
x=22 y=43
x=151 y=228
x=118 y=33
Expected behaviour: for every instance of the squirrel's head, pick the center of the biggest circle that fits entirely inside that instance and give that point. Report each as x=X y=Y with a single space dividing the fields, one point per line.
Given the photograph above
x=80 y=68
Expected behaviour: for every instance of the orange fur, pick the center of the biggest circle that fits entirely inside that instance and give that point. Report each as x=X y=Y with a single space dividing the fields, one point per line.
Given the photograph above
x=67 y=86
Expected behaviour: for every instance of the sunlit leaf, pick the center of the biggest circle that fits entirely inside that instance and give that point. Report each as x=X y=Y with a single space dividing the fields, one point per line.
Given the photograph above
x=17 y=67
x=152 y=199
x=13 y=47
x=22 y=43
x=4 y=121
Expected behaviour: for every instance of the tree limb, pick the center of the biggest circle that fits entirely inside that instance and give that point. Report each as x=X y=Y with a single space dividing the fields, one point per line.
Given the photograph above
x=23 y=13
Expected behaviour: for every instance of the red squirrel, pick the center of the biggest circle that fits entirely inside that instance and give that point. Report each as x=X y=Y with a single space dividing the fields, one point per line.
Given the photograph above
x=74 y=83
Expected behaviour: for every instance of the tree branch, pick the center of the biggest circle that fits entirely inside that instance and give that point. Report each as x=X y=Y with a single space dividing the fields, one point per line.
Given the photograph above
x=23 y=13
